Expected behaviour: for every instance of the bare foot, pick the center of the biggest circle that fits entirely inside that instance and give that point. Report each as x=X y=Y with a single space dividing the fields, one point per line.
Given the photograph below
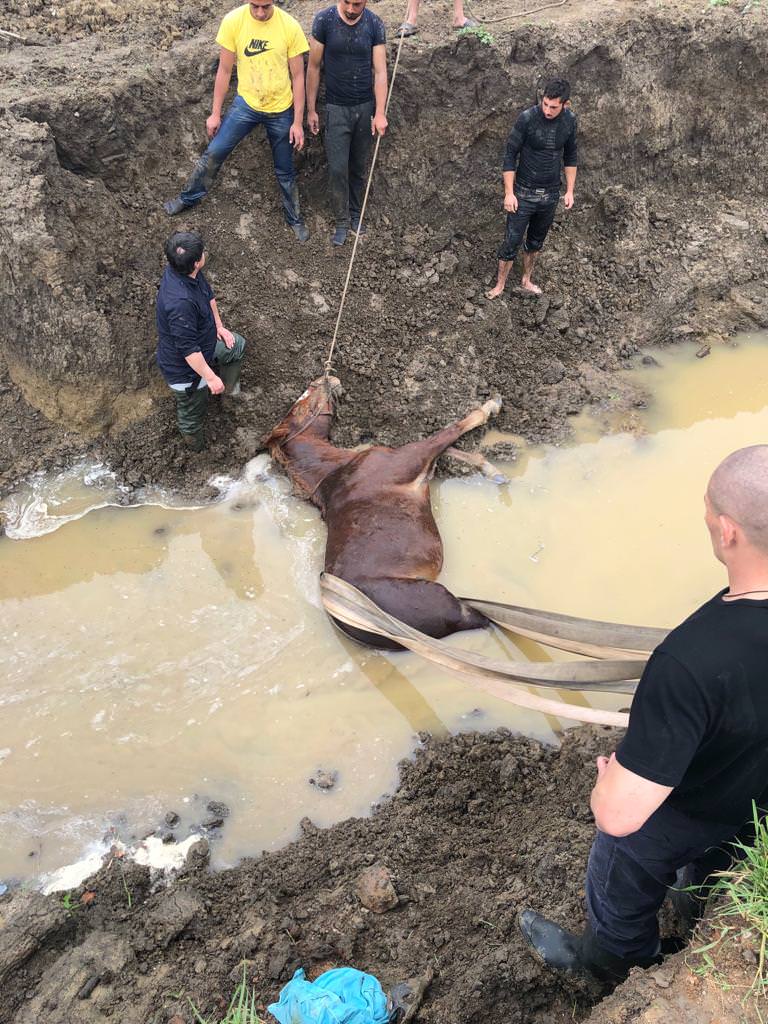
x=495 y=292
x=528 y=286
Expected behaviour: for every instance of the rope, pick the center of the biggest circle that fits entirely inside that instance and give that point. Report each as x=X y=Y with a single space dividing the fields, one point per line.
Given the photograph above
x=519 y=14
x=327 y=370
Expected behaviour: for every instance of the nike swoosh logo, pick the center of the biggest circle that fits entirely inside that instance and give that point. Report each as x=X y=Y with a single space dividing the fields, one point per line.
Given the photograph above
x=254 y=48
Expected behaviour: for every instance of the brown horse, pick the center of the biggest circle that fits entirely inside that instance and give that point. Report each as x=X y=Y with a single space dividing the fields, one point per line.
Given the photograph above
x=382 y=536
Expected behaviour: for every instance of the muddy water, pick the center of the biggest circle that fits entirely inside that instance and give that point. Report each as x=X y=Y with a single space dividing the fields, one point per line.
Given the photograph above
x=157 y=658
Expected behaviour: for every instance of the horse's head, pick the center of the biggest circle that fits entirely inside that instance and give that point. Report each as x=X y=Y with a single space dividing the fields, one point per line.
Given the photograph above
x=309 y=417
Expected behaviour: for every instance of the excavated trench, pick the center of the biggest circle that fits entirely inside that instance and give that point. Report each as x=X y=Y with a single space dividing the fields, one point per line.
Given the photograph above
x=667 y=237
x=668 y=240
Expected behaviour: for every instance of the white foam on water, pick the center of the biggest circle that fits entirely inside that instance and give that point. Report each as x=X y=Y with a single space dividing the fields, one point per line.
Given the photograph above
x=151 y=852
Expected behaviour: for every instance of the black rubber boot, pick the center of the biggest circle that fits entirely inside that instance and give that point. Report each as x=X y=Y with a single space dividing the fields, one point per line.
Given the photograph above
x=562 y=950
x=550 y=944
x=173 y=207
x=196 y=441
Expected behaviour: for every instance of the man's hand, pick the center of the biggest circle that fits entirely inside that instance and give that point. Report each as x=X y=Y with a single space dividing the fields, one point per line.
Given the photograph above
x=510 y=202
x=568 y=200
x=379 y=124
x=226 y=336
x=215 y=384
x=296 y=136
x=213 y=124
x=313 y=122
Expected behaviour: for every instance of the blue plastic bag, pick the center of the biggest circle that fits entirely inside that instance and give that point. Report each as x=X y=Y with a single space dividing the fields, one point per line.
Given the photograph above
x=341 y=996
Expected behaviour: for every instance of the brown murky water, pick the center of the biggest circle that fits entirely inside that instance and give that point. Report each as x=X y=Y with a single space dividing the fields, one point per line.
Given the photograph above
x=156 y=658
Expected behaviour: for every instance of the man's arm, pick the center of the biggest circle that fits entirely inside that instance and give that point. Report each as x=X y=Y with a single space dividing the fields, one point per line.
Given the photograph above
x=316 y=51
x=622 y=801
x=379 y=123
x=221 y=331
x=570 y=159
x=510 y=199
x=511 y=156
x=296 y=67
x=220 y=89
x=197 y=361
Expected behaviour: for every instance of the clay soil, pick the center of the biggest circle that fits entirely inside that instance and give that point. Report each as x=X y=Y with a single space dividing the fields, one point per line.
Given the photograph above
x=102 y=108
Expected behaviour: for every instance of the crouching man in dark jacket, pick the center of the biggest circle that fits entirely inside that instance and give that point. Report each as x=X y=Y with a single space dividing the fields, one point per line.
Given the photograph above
x=192 y=340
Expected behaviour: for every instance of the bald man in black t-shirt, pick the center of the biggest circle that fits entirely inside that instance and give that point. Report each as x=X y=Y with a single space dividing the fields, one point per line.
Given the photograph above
x=694 y=761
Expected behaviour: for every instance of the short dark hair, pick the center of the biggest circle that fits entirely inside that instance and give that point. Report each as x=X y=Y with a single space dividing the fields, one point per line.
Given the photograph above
x=183 y=250
x=557 y=89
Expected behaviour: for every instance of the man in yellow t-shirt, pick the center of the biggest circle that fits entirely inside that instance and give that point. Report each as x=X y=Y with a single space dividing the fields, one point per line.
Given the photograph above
x=269 y=47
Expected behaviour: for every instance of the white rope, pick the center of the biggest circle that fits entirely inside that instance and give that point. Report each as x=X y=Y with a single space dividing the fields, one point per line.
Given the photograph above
x=362 y=216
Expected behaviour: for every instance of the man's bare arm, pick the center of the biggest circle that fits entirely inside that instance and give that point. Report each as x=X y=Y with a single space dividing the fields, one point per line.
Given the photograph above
x=316 y=51
x=199 y=365
x=379 y=123
x=622 y=801
x=220 y=89
x=570 y=181
x=510 y=199
x=296 y=68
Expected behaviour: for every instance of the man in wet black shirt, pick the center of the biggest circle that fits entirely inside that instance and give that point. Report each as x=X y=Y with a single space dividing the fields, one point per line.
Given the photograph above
x=542 y=140
x=693 y=764
x=350 y=42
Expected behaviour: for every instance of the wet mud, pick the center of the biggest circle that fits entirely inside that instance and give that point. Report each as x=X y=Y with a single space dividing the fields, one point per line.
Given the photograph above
x=101 y=117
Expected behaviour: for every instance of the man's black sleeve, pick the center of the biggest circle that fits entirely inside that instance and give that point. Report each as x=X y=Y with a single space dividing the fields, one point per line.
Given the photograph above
x=515 y=143
x=184 y=328
x=570 y=150
x=667 y=723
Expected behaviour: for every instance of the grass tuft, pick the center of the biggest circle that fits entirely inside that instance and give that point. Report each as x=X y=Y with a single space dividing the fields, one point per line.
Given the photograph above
x=744 y=893
x=242 y=1009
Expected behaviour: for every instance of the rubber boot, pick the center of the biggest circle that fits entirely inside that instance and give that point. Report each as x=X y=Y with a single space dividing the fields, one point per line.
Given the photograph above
x=190 y=417
x=195 y=441
x=230 y=375
x=299 y=228
x=562 y=950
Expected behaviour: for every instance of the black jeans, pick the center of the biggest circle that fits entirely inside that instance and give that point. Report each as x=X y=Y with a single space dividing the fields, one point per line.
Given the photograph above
x=534 y=215
x=348 y=143
x=628 y=876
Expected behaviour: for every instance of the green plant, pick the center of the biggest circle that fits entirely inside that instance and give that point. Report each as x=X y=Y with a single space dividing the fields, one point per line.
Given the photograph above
x=480 y=33
x=68 y=902
x=719 y=3
x=242 y=1009
x=743 y=903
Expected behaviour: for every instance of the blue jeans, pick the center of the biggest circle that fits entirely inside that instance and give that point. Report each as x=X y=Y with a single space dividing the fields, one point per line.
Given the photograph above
x=239 y=121
x=628 y=877
x=532 y=220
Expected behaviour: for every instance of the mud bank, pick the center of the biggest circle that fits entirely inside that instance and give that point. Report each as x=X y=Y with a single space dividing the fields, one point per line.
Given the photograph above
x=481 y=827
x=667 y=239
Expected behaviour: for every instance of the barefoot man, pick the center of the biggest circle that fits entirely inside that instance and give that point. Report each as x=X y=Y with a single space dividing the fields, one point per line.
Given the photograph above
x=543 y=138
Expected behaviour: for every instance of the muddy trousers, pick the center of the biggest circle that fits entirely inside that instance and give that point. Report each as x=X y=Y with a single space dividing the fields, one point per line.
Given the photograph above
x=239 y=121
x=628 y=877
x=348 y=142
x=530 y=223
x=191 y=406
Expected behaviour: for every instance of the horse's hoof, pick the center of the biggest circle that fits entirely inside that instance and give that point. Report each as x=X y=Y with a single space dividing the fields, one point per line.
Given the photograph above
x=493 y=405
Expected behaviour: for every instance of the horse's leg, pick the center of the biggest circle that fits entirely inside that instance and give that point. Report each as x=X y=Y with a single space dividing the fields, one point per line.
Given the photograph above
x=422 y=604
x=414 y=461
x=479 y=462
